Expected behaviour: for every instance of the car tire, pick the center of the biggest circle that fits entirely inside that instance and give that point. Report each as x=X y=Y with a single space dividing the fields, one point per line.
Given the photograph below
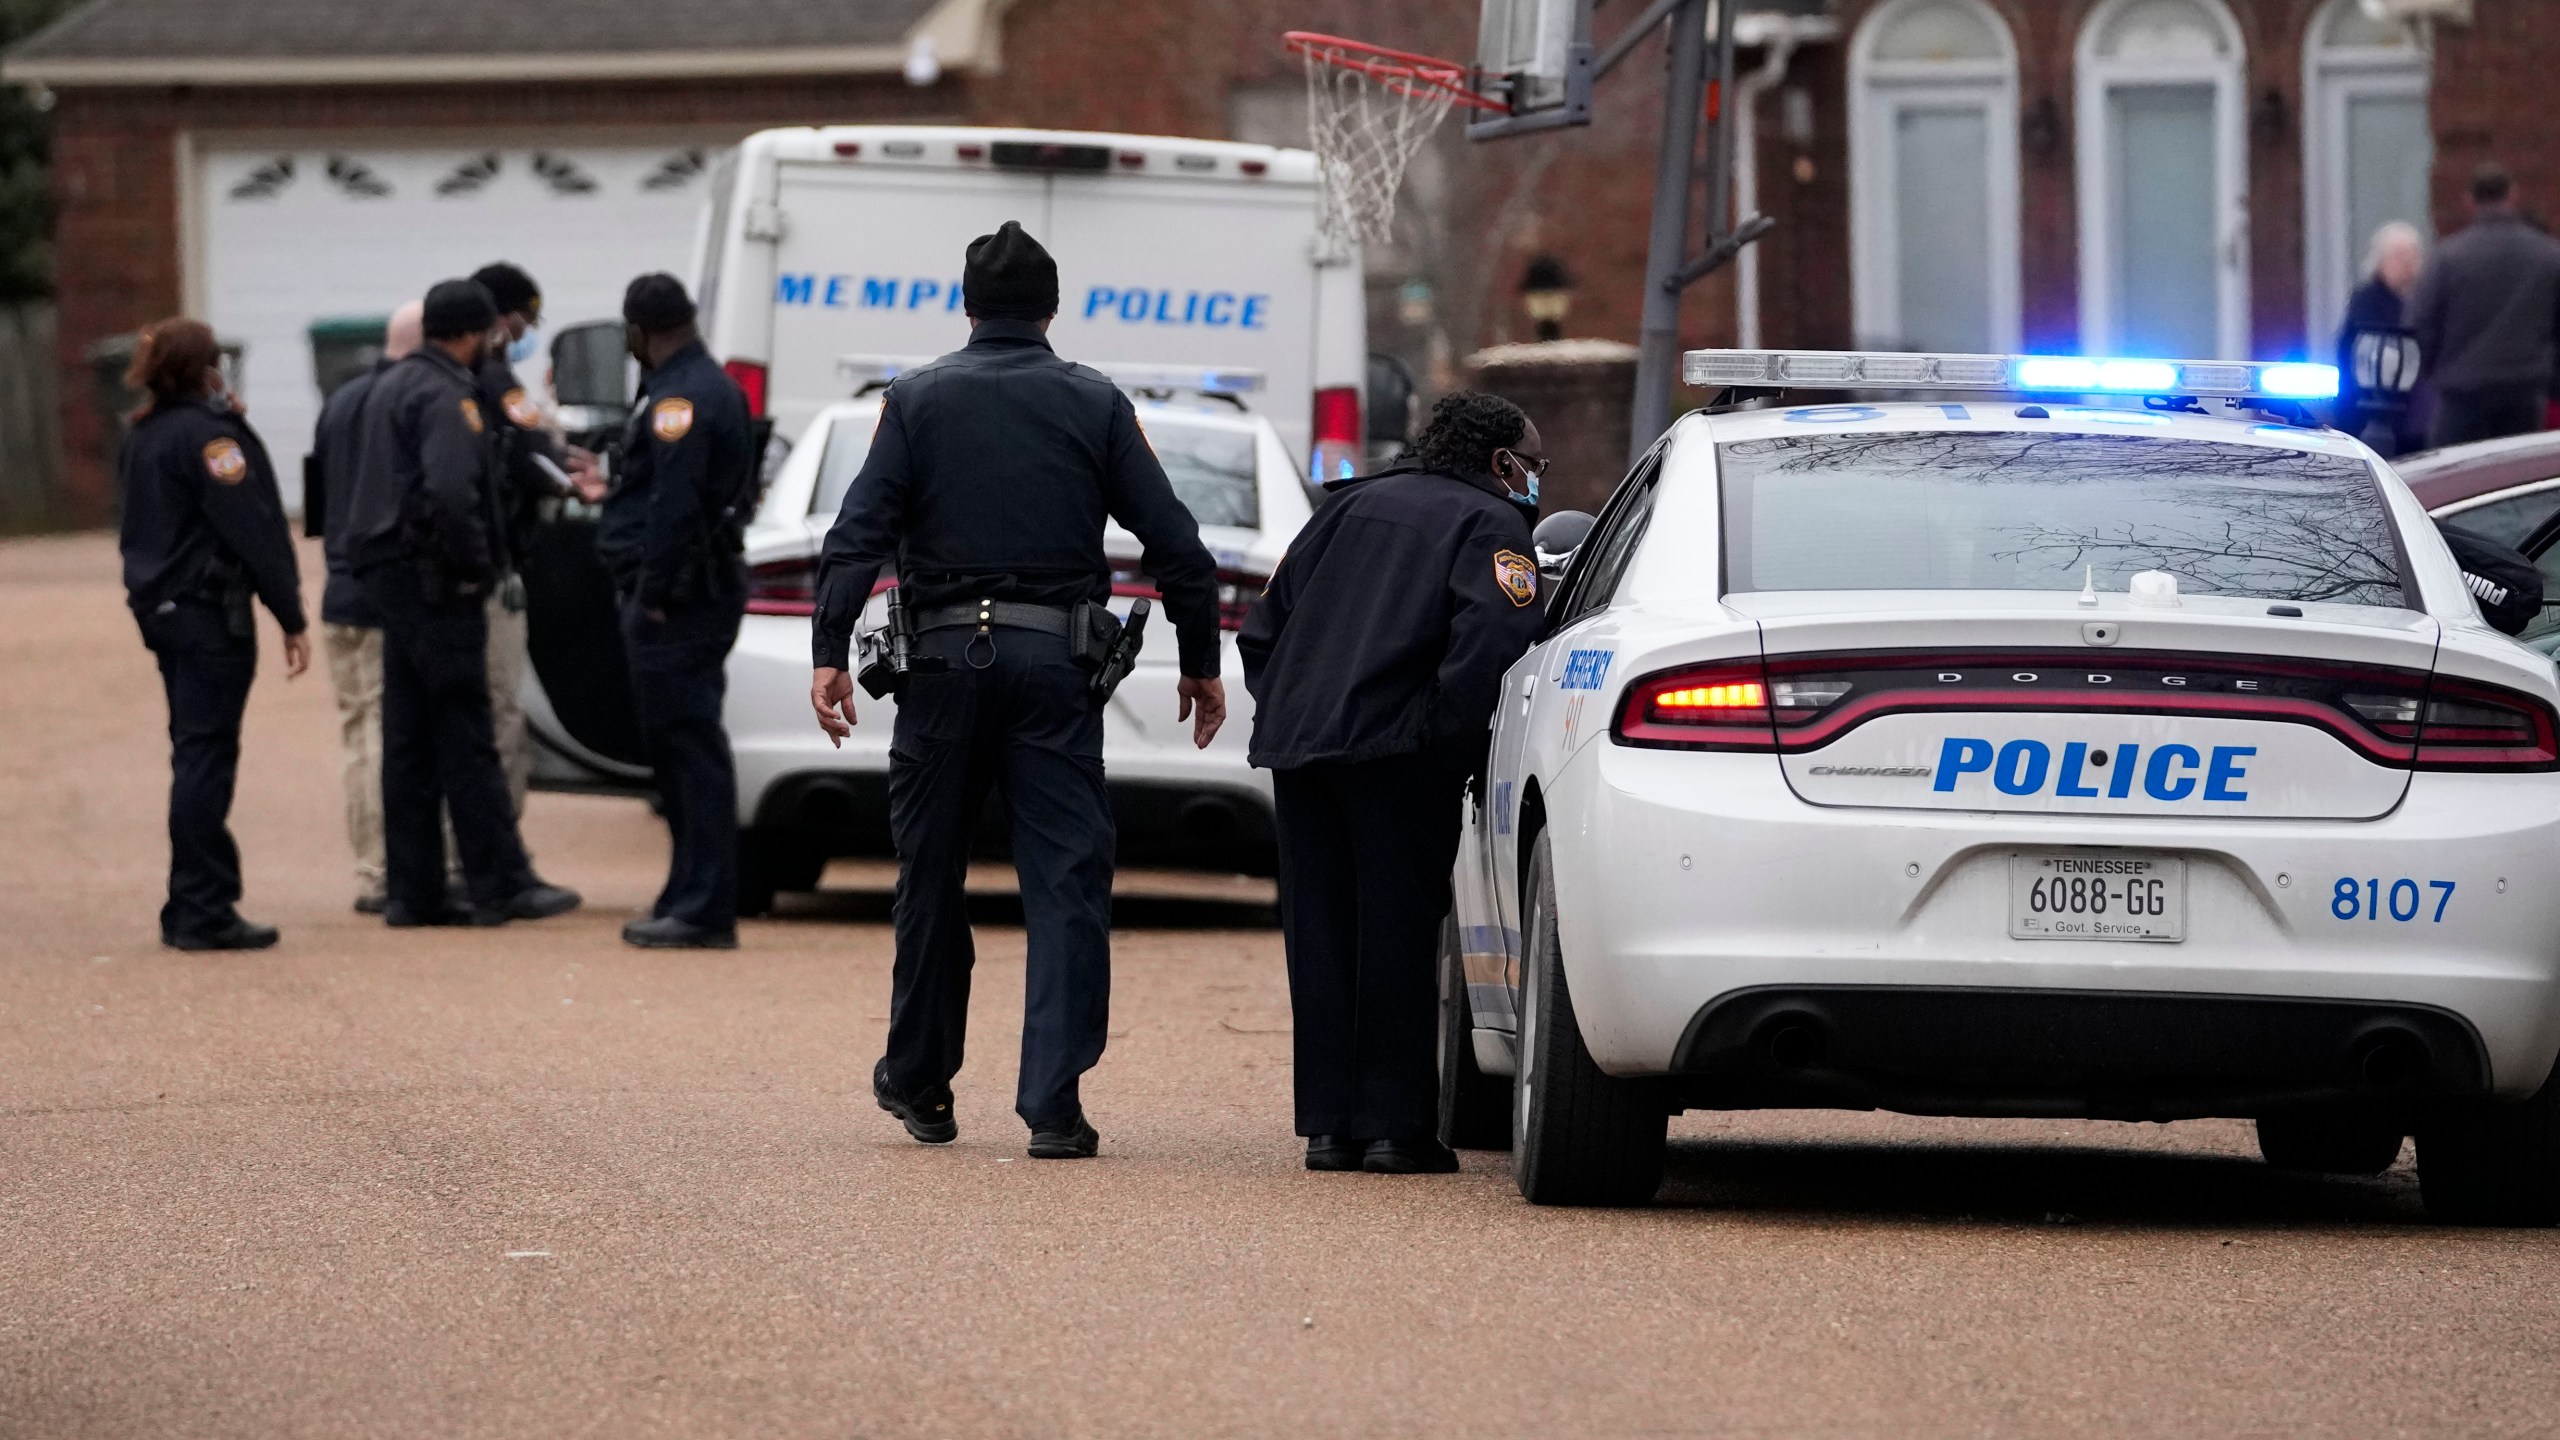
x=2493 y=1164
x=771 y=861
x=1580 y=1136
x=2328 y=1143
x=1475 y=1108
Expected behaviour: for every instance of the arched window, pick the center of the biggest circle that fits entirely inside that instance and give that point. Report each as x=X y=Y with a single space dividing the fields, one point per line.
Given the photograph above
x=1934 y=178
x=2164 y=181
x=2366 y=150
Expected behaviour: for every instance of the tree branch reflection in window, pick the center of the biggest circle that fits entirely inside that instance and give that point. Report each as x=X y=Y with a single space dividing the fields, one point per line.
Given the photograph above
x=1935 y=510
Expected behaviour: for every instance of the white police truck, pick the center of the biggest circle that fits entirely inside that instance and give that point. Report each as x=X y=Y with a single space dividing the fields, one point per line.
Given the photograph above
x=825 y=242
x=2025 y=754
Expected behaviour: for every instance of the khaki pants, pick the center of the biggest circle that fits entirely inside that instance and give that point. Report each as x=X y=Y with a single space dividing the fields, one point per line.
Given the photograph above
x=508 y=661
x=355 y=673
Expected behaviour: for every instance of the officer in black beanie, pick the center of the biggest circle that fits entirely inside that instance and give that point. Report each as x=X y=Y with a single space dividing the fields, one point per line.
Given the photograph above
x=423 y=538
x=673 y=531
x=988 y=484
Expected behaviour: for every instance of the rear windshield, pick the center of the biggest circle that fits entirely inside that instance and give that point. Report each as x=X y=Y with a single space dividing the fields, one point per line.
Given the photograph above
x=1212 y=467
x=2008 y=510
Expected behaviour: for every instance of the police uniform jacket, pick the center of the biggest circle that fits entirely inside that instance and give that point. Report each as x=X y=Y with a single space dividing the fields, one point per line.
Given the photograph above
x=515 y=422
x=422 y=485
x=991 y=476
x=202 y=515
x=337 y=443
x=688 y=470
x=1389 y=624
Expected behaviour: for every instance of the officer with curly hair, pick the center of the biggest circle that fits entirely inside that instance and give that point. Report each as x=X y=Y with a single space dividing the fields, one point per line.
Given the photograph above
x=1375 y=659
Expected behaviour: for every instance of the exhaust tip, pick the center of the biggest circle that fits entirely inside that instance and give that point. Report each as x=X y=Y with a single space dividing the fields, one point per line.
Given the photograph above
x=1793 y=1041
x=2391 y=1060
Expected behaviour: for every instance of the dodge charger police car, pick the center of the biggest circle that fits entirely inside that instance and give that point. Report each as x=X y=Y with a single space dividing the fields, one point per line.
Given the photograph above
x=2016 y=756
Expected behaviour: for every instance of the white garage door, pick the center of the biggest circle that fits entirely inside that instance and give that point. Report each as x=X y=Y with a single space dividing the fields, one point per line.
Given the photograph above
x=303 y=233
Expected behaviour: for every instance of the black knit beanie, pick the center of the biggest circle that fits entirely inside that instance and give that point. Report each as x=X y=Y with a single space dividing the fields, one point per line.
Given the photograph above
x=1009 y=277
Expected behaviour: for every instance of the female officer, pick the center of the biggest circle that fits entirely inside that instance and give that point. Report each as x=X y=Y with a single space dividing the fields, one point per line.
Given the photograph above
x=1374 y=659
x=204 y=530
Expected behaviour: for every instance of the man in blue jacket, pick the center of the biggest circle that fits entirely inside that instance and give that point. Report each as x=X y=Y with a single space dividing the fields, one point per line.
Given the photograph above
x=1375 y=659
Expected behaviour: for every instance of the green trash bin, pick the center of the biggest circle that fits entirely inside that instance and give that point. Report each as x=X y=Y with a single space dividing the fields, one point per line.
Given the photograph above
x=344 y=348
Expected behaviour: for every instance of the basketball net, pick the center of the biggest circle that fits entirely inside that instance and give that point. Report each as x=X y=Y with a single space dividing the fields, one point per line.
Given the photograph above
x=1369 y=110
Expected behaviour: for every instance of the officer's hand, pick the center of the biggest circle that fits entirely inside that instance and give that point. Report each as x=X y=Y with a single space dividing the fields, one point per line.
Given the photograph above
x=585 y=475
x=1204 y=704
x=831 y=695
x=297 y=654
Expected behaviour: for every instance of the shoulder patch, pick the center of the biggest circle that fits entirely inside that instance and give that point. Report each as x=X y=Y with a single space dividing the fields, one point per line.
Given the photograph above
x=1517 y=575
x=225 y=462
x=672 y=419
x=521 y=411
x=471 y=415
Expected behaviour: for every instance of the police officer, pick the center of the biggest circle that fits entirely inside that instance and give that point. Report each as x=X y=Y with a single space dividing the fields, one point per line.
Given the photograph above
x=203 y=531
x=423 y=538
x=1375 y=659
x=350 y=633
x=523 y=442
x=673 y=529
x=989 y=480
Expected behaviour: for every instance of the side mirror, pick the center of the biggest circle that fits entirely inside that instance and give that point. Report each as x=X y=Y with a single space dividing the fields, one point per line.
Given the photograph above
x=1556 y=539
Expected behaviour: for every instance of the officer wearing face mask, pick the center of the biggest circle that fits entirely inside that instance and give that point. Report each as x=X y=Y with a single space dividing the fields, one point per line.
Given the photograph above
x=1375 y=659
x=523 y=443
x=424 y=541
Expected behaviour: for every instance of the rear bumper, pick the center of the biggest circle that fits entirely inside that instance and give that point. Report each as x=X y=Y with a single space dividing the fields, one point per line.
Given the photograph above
x=2127 y=1055
x=1685 y=880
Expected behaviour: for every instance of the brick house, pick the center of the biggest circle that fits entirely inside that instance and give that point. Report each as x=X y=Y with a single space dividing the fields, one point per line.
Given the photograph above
x=1942 y=171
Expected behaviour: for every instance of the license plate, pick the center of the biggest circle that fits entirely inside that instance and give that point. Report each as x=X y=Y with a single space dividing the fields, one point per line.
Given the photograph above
x=2097 y=895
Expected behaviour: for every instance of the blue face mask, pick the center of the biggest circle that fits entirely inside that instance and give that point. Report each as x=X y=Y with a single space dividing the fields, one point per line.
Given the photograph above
x=525 y=347
x=1530 y=496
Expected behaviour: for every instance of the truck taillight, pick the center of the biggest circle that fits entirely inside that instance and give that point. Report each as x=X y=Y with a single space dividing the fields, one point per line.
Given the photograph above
x=750 y=375
x=1337 y=433
x=783 y=587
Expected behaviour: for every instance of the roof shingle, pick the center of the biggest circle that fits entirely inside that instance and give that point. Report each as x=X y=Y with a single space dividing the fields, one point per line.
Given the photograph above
x=285 y=30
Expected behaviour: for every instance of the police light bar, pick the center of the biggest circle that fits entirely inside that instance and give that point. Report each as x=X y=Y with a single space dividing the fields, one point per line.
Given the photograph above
x=866 y=371
x=2031 y=374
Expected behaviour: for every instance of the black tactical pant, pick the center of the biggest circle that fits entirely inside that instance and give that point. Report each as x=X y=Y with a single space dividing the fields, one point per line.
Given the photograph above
x=1365 y=855
x=205 y=669
x=2490 y=413
x=679 y=677
x=439 y=751
x=1024 y=720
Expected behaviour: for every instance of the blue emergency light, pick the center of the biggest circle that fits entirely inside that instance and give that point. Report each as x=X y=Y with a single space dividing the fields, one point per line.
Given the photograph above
x=2290 y=381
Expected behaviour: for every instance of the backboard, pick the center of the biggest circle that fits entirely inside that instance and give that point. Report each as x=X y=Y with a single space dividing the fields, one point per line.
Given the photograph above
x=1536 y=56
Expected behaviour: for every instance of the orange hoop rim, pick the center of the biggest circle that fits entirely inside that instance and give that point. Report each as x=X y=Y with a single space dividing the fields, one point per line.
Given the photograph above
x=1402 y=71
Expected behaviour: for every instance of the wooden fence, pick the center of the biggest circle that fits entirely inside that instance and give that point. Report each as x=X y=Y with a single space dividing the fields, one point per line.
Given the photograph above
x=30 y=432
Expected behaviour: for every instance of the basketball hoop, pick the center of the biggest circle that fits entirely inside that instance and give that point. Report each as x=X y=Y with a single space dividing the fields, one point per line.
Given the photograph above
x=1369 y=109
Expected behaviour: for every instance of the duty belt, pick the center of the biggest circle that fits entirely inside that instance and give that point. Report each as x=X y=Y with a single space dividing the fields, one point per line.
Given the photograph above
x=1010 y=615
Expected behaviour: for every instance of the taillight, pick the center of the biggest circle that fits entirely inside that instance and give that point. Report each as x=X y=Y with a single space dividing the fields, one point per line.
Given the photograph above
x=750 y=375
x=1718 y=707
x=1337 y=433
x=783 y=587
x=1237 y=590
x=2469 y=726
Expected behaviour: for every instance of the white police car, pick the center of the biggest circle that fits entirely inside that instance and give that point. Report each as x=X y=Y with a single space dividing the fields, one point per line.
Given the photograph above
x=803 y=800
x=2016 y=757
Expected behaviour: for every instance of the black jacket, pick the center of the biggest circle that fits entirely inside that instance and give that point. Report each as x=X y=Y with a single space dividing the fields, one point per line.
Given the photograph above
x=2488 y=306
x=1390 y=622
x=688 y=458
x=515 y=422
x=422 y=478
x=202 y=514
x=991 y=476
x=337 y=443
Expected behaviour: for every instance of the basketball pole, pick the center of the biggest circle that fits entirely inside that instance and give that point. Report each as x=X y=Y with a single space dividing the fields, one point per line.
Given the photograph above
x=1667 y=269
